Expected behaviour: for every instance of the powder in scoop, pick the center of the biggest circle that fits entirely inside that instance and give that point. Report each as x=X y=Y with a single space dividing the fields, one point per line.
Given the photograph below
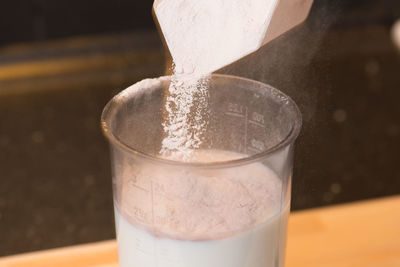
x=205 y=35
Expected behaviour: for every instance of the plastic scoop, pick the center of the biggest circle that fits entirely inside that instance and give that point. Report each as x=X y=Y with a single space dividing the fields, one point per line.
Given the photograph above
x=219 y=28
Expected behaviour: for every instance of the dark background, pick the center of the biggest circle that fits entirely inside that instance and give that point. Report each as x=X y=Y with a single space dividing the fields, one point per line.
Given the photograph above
x=37 y=20
x=61 y=61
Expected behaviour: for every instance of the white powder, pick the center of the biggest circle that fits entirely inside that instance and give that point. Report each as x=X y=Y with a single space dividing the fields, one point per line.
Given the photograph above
x=186 y=113
x=202 y=37
x=199 y=204
x=206 y=35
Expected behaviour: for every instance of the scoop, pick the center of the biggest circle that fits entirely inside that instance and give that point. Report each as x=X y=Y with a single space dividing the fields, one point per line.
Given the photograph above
x=271 y=19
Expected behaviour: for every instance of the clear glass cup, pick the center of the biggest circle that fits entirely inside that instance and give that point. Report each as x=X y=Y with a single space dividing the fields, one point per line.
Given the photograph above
x=227 y=209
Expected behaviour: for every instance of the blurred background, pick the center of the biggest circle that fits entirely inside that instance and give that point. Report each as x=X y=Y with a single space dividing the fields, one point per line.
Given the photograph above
x=61 y=61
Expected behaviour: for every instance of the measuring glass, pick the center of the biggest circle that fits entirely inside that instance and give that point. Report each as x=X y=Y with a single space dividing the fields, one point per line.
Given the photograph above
x=230 y=207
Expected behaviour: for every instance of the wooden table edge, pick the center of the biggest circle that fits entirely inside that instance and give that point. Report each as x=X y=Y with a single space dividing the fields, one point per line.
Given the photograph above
x=304 y=226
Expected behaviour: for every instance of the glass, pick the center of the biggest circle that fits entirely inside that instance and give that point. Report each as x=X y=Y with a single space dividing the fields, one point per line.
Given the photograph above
x=229 y=209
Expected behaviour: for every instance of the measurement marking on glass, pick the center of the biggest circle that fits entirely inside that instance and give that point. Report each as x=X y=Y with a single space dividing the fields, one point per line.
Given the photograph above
x=257 y=119
x=140 y=214
x=140 y=247
x=245 y=130
x=252 y=149
x=256 y=123
x=132 y=183
x=152 y=202
x=257 y=144
x=235 y=109
x=234 y=114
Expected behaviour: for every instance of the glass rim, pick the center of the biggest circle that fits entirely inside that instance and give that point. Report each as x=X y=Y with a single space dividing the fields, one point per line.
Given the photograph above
x=106 y=118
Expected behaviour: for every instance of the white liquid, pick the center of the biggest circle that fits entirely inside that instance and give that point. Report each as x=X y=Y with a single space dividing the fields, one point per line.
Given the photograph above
x=188 y=236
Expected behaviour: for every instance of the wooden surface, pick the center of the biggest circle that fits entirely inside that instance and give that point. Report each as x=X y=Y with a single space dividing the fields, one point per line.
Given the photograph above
x=362 y=234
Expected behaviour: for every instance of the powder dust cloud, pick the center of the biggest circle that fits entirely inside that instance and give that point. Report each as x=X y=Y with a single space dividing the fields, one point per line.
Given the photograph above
x=297 y=63
x=286 y=63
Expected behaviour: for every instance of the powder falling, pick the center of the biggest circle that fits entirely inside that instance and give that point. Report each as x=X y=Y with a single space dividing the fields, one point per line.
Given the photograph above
x=186 y=116
x=202 y=37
